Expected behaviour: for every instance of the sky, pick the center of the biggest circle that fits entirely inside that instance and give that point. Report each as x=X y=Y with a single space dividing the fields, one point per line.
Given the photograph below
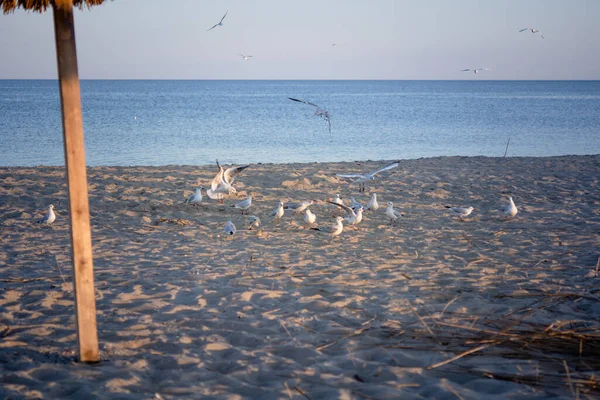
x=377 y=39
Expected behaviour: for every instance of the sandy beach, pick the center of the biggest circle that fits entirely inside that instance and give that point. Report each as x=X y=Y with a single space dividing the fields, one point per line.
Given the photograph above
x=431 y=307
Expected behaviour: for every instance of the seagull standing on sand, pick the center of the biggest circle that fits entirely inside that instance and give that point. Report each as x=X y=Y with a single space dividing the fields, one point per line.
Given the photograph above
x=196 y=197
x=220 y=22
x=298 y=207
x=361 y=179
x=511 y=208
x=254 y=222
x=461 y=212
x=392 y=214
x=49 y=218
x=476 y=70
x=319 y=112
x=246 y=58
x=309 y=217
x=532 y=31
x=333 y=230
x=230 y=228
x=277 y=213
x=373 y=204
x=243 y=205
x=221 y=183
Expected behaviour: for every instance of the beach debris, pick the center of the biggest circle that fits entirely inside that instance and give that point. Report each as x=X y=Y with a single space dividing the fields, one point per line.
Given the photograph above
x=362 y=178
x=254 y=222
x=196 y=197
x=222 y=182
x=532 y=31
x=243 y=205
x=373 y=204
x=319 y=112
x=277 y=213
x=333 y=230
x=354 y=217
x=476 y=70
x=49 y=218
x=511 y=208
x=220 y=22
x=309 y=217
x=461 y=212
x=298 y=207
x=392 y=214
x=230 y=228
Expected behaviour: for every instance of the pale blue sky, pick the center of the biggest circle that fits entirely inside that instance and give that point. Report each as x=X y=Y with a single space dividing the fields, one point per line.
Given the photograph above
x=378 y=39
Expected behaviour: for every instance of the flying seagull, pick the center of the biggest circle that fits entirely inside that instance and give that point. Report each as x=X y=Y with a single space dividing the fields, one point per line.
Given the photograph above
x=361 y=179
x=319 y=112
x=219 y=24
x=476 y=70
x=532 y=31
x=221 y=183
x=244 y=57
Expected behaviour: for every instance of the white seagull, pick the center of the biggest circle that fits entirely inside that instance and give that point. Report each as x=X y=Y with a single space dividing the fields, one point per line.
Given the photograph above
x=461 y=212
x=511 y=208
x=196 y=197
x=355 y=205
x=220 y=22
x=243 y=205
x=244 y=57
x=230 y=228
x=277 y=213
x=338 y=200
x=298 y=207
x=319 y=112
x=333 y=230
x=361 y=179
x=221 y=183
x=354 y=217
x=392 y=214
x=373 y=204
x=49 y=217
x=254 y=222
x=309 y=217
x=532 y=31
x=476 y=70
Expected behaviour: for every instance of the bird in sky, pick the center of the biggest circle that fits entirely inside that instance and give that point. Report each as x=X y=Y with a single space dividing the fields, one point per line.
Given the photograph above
x=532 y=31
x=319 y=112
x=219 y=24
x=244 y=56
x=476 y=70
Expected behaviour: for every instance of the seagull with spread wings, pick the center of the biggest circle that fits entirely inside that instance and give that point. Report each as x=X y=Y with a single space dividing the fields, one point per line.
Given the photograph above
x=362 y=178
x=532 y=31
x=476 y=70
x=222 y=182
x=219 y=24
x=319 y=112
x=244 y=56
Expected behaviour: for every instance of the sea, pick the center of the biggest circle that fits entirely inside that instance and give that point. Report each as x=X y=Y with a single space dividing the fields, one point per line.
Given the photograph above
x=178 y=122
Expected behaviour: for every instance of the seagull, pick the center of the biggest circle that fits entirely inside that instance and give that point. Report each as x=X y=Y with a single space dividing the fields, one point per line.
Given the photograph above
x=277 y=213
x=461 y=212
x=338 y=200
x=319 y=112
x=49 y=218
x=373 y=204
x=333 y=230
x=243 y=205
x=309 y=217
x=254 y=222
x=244 y=57
x=230 y=228
x=476 y=70
x=298 y=206
x=511 y=208
x=532 y=31
x=355 y=205
x=361 y=179
x=354 y=217
x=220 y=22
x=392 y=214
x=196 y=197
x=221 y=183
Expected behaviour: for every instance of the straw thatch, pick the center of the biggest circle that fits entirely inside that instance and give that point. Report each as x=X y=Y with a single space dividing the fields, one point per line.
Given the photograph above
x=41 y=5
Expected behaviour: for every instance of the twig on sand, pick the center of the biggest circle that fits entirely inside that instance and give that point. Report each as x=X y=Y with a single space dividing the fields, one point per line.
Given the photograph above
x=597 y=265
x=289 y=392
x=301 y=392
x=464 y=353
x=449 y=388
x=448 y=305
x=569 y=378
x=6 y=331
x=421 y=319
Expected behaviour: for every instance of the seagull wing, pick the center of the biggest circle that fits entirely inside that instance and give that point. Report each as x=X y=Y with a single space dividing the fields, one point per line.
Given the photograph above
x=350 y=175
x=223 y=17
x=394 y=165
x=305 y=102
x=348 y=209
x=465 y=70
x=217 y=180
x=230 y=173
x=213 y=27
x=525 y=29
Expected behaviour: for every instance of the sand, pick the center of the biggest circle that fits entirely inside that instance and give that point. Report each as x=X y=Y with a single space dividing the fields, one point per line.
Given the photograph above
x=432 y=307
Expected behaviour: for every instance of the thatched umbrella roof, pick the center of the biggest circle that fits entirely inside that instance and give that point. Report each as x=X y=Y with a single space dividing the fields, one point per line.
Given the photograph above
x=41 y=5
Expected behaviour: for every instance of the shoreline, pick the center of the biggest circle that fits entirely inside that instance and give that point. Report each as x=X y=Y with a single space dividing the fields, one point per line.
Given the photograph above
x=430 y=307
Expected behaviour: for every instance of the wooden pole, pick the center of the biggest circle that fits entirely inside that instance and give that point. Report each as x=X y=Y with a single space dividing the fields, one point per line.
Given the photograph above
x=506 y=151
x=81 y=237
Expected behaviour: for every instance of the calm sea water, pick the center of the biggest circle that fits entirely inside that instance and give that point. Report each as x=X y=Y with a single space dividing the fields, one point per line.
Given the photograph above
x=195 y=122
